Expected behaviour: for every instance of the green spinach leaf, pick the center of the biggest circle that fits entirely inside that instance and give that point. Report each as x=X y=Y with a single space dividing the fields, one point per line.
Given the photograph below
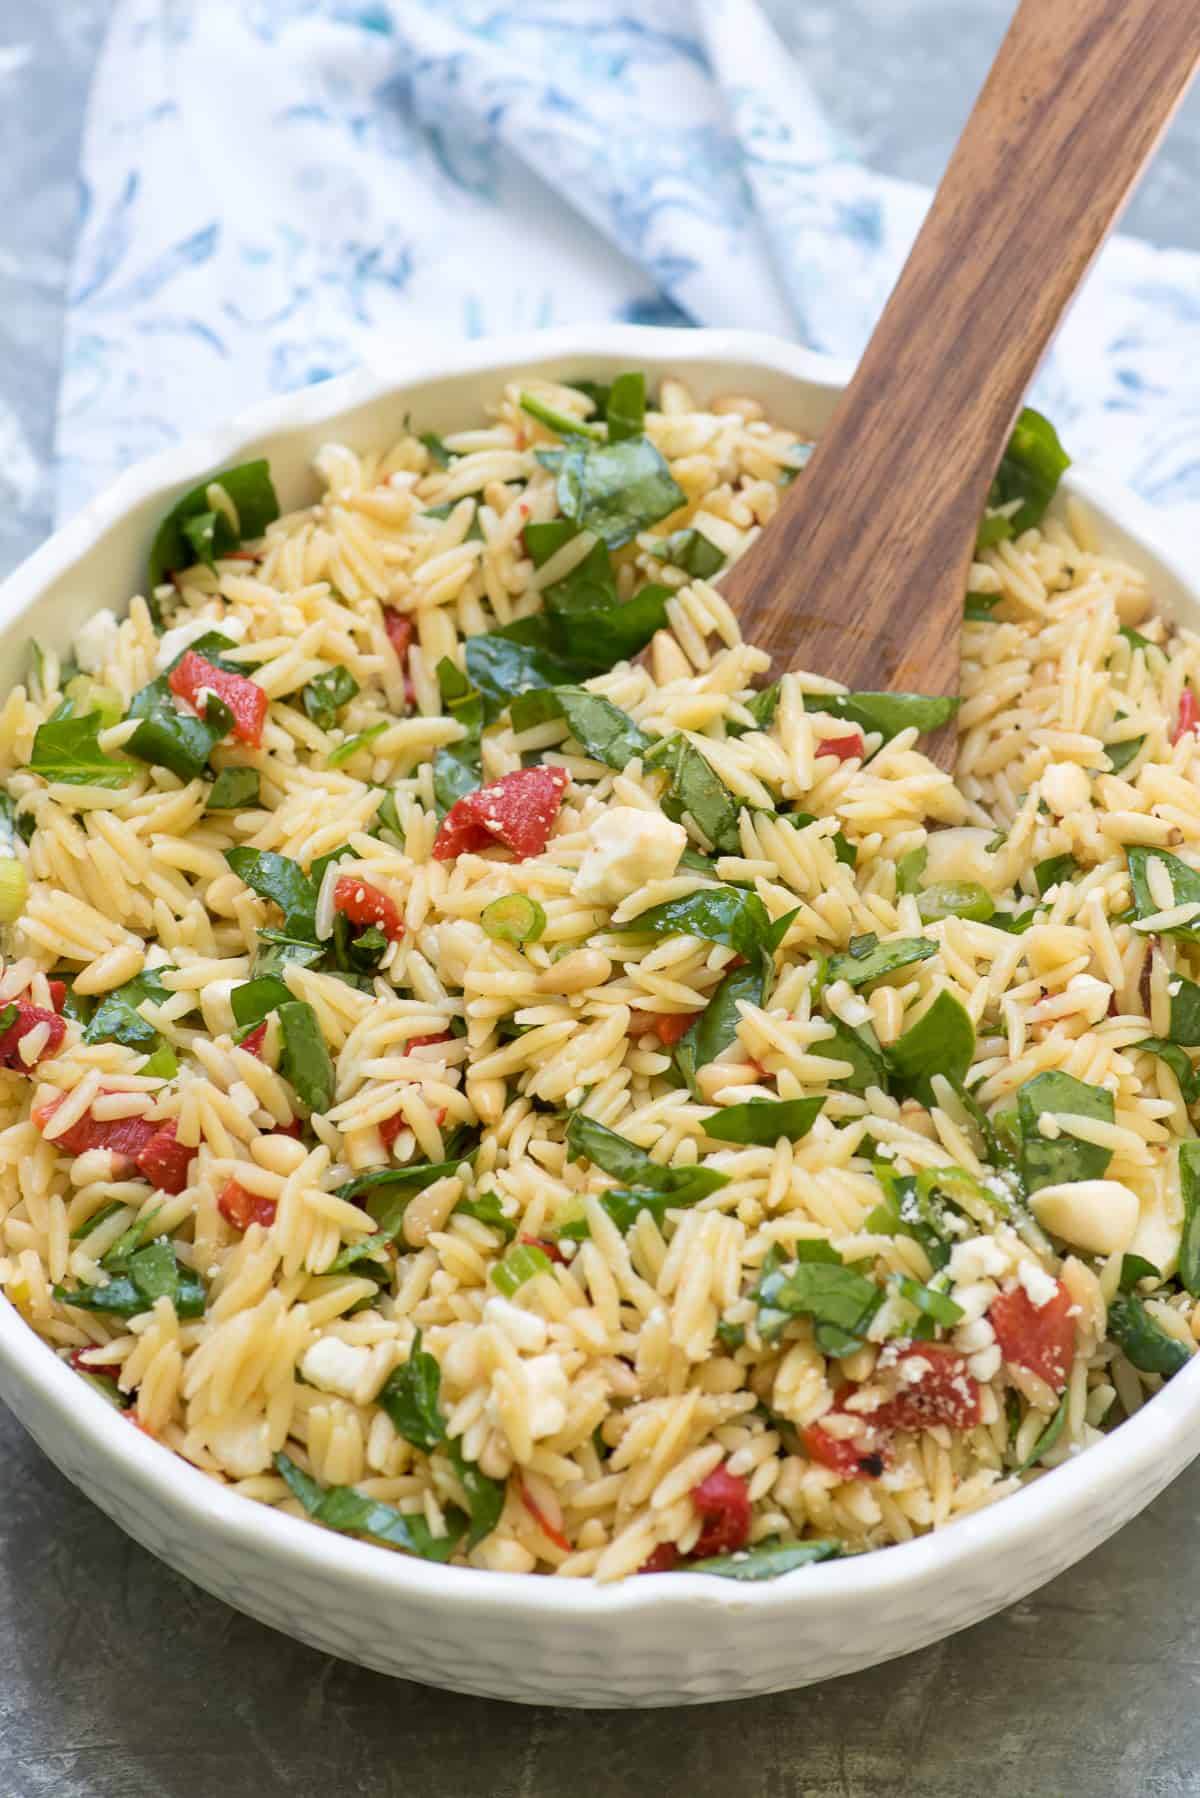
x=410 y=1398
x=325 y=694
x=615 y=489
x=284 y=882
x=304 y=1060
x=767 y=1560
x=1146 y=1345
x=233 y=790
x=602 y=730
x=352 y=1513
x=116 y=1018
x=717 y=1025
x=1185 y=885
x=1045 y=1161
x=695 y=789
x=942 y=1041
x=866 y=959
x=887 y=713
x=763 y=1121
x=194 y=531
x=67 y=750
x=1189 y=1242
x=692 y=551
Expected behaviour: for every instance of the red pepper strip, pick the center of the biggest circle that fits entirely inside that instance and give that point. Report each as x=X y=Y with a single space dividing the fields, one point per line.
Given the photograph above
x=723 y=1501
x=164 y=1161
x=253 y=1042
x=28 y=1018
x=669 y=1027
x=363 y=904
x=844 y=748
x=849 y=1459
x=241 y=1208
x=125 y=1137
x=58 y=993
x=1189 y=714
x=1038 y=1337
x=518 y=810
x=935 y=1387
x=423 y=1042
x=543 y=1522
x=246 y=700
x=399 y=628
x=663 y=1559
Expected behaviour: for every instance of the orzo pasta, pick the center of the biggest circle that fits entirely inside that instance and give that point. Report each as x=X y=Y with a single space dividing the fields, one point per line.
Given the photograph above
x=565 y=1109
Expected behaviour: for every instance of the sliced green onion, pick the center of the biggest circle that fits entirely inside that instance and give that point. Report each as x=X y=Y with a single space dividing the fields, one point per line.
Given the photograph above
x=522 y=1264
x=514 y=919
x=956 y=899
x=90 y=696
x=14 y=889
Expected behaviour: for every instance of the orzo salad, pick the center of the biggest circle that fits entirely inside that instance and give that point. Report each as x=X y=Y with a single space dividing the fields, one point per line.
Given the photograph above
x=484 y=1071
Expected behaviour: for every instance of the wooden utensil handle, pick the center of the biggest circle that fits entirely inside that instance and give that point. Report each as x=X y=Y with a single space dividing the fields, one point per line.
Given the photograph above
x=1077 y=98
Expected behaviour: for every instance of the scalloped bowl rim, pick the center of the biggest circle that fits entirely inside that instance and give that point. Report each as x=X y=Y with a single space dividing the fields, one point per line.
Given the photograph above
x=1004 y=1528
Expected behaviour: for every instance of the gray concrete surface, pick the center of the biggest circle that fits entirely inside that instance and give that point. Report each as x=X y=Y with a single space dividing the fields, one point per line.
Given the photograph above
x=118 y=1680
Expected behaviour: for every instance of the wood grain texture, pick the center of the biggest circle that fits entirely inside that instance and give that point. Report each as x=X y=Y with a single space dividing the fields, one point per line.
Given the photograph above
x=861 y=575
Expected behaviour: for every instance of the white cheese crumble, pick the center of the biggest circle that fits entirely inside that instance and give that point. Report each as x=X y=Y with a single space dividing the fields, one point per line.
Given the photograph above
x=96 y=641
x=547 y=1395
x=335 y=1366
x=627 y=849
x=1040 y=1287
x=524 y=1329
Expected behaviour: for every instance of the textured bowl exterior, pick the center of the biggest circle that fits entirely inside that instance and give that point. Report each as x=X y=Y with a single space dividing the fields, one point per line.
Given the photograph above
x=658 y=1640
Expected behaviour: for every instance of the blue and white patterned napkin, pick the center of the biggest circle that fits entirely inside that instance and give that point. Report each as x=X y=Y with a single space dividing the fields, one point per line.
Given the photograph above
x=277 y=188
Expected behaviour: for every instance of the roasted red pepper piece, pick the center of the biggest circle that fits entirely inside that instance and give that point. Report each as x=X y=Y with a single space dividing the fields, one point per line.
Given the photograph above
x=241 y=1208
x=723 y=1501
x=164 y=1161
x=1189 y=714
x=125 y=1137
x=247 y=701
x=518 y=811
x=934 y=1387
x=254 y=1040
x=663 y=1559
x=862 y=1458
x=844 y=748
x=670 y=1027
x=364 y=904
x=1040 y=1338
x=28 y=1018
x=551 y=1249
x=399 y=627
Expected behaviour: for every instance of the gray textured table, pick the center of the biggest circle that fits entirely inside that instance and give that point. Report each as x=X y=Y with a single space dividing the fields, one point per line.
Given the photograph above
x=118 y=1680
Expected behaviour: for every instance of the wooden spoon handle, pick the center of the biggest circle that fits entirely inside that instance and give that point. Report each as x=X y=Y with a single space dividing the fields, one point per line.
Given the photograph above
x=862 y=573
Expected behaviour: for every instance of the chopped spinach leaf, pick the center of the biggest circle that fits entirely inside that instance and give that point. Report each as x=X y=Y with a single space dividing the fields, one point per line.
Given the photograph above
x=1179 y=1063
x=283 y=882
x=352 y=1513
x=437 y=449
x=588 y=1140
x=717 y=1025
x=484 y=1495
x=1053 y=871
x=67 y=750
x=1030 y=470
x=816 y=1285
x=195 y=531
x=887 y=713
x=942 y=1041
x=233 y=790
x=696 y=791
x=763 y=1121
x=626 y=409
x=602 y=730
x=615 y=489
x=767 y=1560
x=1185 y=886
x=860 y=1047
x=410 y=1398
x=304 y=1060
x=866 y=959
x=486 y=1210
x=692 y=551
x=1144 y=1342
x=1189 y=1242
x=1045 y=1161
x=1184 y=995
x=386 y=1180
x=325 y=694
x=1121 y=754
x=116 y=1018
x=457 y=767
x=722 y=914
x=153 y=1273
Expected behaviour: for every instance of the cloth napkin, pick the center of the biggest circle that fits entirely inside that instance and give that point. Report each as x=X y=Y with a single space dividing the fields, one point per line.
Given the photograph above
x=276 y=190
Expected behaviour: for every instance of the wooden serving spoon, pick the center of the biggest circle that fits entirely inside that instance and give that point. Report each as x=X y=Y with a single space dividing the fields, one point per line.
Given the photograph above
x=863 y=571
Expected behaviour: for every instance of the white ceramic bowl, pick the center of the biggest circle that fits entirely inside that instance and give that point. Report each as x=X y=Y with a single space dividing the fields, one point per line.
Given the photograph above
x=659 y=1639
